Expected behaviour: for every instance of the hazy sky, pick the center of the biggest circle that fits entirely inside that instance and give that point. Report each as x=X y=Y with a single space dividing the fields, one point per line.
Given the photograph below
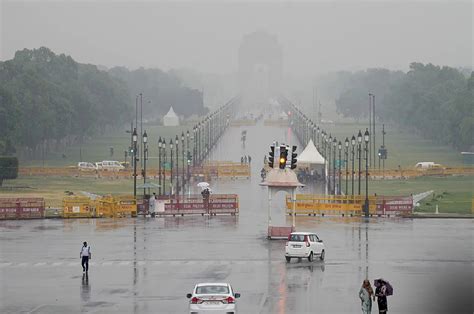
x=316 y=36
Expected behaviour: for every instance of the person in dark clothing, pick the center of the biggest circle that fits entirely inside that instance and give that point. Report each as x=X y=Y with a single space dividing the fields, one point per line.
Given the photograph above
x=250 y=159
x=85 y=255
x=381 y=294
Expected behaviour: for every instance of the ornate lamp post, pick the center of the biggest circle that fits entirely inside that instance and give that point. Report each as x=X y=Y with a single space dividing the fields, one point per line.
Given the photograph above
x=339 y=146
x=334 y=144
x=353 y=142
x=159 y=166
x=183 y=183
x=198 y=146
x=317 y=138
x=329 y=148
x=145 y=157
x=176 y=141
x=171 y=167
x=194 y=145
x=346 y=161
x=366 y=140
x=163 y=144
x=187 y=157
x=359 y=144
x=134 y=140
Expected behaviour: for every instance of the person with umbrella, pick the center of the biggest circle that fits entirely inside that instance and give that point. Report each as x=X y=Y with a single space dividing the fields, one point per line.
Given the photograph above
x=381 y=294
x=366 y=293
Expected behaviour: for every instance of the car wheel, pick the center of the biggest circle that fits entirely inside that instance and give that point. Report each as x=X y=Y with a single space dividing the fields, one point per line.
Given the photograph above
x=288 y=259
x=322 y=255
x=310 y=257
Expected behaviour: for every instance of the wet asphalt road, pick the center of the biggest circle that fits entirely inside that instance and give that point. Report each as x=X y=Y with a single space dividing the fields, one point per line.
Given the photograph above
x=148 y=266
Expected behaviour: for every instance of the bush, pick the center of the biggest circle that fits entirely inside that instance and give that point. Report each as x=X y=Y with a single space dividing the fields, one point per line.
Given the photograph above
x=8 y=168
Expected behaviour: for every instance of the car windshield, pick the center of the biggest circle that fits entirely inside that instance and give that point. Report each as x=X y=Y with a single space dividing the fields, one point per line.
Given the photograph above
x=297 y=238
x=212 y=290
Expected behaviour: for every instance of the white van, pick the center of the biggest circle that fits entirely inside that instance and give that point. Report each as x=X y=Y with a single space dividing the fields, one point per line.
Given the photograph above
x=111 y=165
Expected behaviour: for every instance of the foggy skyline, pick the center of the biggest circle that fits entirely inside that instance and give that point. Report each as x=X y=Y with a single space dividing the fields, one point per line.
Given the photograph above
x=205 y=36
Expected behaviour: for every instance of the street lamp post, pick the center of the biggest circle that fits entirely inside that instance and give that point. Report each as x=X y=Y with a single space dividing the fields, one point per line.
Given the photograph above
x=346 y=160
x=329 y=148
x=359 y=143
x=171 y=166
x=339 y=146
x=353 y=142
x=194 y=145
x=183 y=183
x=145 y=157
x=134 y=140
x=317 y=138
x=176 y=141
x=334 y=144
x=163 y=144
x=199 y=144
x=159 y=166
x=187 y=155
x=366 y=140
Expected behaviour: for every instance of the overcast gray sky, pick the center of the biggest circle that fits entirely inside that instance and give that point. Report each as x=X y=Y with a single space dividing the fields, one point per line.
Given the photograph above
x=316 y=36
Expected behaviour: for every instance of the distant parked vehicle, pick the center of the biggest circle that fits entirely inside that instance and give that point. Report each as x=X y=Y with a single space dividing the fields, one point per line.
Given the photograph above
x=304 y=244
x=213 y=297
x=86 y=166
x=423 y=165
x=110 y=165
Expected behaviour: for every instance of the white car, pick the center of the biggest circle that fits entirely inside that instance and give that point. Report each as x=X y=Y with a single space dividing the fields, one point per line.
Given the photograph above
x=86 y=166
x=304 y=245
x=111 y=165
x=212 y=298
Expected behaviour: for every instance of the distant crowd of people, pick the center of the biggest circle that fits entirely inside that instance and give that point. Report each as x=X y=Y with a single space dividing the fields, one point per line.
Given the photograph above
x=245 y=160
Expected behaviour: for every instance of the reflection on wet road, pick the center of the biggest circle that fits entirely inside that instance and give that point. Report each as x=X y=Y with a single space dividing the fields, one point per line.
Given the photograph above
x=148 y=266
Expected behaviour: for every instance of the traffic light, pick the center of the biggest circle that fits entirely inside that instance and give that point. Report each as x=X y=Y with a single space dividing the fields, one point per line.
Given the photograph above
x=271 y=156
x=293 y=157
x=283 y=156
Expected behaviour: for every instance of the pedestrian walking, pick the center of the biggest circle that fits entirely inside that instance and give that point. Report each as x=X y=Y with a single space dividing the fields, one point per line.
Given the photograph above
x=381 y=294
x=241 y=160
x=250 y=159
x=245 y=159
x=366 y=293
x=85 y=255
x=152 y=205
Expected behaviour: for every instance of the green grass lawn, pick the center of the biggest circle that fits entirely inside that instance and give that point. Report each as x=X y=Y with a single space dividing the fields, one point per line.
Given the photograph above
x=451 y=194
x=404 y=147
x=98 y=149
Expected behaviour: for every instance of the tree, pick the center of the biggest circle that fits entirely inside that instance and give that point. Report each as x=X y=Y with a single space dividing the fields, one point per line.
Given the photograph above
x=8 y=168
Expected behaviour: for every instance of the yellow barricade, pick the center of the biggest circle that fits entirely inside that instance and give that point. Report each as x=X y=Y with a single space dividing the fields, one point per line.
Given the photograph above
x=116 y=206
x=78 y=207
x=125 y=206
x=105 y=206
x=307 y=204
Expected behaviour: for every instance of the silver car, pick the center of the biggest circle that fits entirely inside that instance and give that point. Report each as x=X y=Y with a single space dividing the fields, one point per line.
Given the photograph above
x=213 y=298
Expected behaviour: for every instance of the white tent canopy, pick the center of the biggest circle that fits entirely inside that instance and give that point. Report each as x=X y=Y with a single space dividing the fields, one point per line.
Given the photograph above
x=310 y=155
x=171 y=119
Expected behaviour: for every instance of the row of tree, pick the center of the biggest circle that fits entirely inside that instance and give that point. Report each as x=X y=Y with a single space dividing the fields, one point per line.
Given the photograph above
x=48 y=99
x=161 y=91
x=436 y=102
